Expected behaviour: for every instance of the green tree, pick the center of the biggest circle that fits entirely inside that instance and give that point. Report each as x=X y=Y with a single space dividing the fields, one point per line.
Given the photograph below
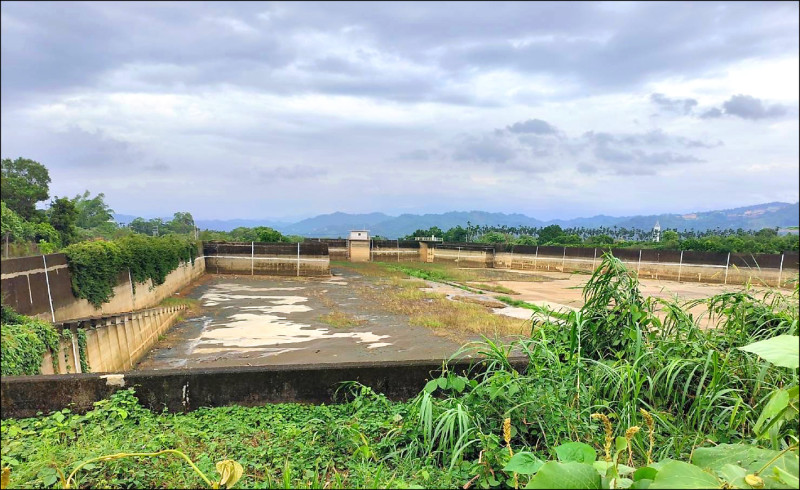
x=63 y=216
x=23 y=183
x=181 y=223
x=492 y=237
x=140 y=225
x=93 y=212
x=11 y=223
x=456 y=234
x=550 y=233
x=526 y=240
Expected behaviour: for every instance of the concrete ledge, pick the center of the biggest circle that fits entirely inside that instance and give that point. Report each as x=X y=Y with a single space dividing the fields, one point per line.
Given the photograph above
x=180 y=390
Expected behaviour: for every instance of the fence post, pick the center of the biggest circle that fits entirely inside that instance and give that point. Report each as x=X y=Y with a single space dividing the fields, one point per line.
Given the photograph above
x=298 y=259
x=594 y=258
x=780 y=271
x=640 y=263
x=535 y=257
x=458 y=257
x=370 y=250
x=253 y=257
x=49 y=296
x=727 y=264
x=680 y=266
x=563 y=259
x=398 y=250
x=511 y=260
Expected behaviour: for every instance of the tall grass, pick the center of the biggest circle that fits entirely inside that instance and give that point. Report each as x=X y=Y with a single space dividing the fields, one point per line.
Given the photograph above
x=619 y=353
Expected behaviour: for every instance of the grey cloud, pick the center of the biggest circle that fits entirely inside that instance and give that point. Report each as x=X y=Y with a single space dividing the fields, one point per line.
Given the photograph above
x=535 y=126
x=748 y=107
x=484 y=149
x=656 y=137
x=679 y=106
x=595 y=47
x=420 y=155
x=712 y=113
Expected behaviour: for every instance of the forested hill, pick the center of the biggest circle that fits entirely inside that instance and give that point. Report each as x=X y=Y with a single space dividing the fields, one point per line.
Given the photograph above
x=756 y=217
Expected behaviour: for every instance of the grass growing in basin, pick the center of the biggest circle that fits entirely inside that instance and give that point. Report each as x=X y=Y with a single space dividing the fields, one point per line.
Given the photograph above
x=340 y=319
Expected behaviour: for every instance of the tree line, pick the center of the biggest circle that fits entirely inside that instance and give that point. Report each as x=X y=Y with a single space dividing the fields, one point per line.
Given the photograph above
x=28 y=229
x=766 y=240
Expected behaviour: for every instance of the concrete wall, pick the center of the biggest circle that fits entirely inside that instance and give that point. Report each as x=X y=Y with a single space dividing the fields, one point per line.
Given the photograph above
x=282 y=259
x=113 y=343
x=648 y=269
x=277 y=265
x=181 y=390
x=358 y=251
x=464 y=257
x=394 y=251
x=31 y=290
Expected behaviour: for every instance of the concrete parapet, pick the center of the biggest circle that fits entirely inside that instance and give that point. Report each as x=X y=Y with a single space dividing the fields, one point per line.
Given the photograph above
x=113 y=343
x=181 y=390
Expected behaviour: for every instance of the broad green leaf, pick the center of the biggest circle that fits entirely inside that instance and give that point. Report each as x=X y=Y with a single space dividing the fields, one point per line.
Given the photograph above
x=643 y=483
x=430 y=386
x=786 y=477
x=748 y=457
x=678 y=474
x=777 y=402
x=524 y=463
x=459 y=384
x=570 y=475
x=646 y=473
x=621 y=444
x=442 y=382
x=576 y=451
x=734 y=475
x=603 y=466
x=783 y=350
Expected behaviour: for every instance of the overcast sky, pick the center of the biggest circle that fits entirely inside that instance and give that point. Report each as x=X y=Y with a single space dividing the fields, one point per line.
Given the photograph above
x=289 y=110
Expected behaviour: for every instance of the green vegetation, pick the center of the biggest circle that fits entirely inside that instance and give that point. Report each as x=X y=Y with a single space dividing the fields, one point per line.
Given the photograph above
x=95 y=266
x=627 y=392
x=255 y=234
x=495 y=288
x=24 y=342
x=714 y=240
x=340 y=319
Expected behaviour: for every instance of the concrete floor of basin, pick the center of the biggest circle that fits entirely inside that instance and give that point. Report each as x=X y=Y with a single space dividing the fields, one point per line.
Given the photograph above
x=276 y=320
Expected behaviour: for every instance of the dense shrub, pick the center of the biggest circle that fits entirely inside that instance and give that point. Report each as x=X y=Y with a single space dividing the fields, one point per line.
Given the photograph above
x=24 y=342
x=95 y=266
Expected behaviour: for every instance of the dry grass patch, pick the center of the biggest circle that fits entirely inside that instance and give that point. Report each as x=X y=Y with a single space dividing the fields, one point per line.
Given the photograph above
x=340 y=319
x=495 y=288
x=458 y=320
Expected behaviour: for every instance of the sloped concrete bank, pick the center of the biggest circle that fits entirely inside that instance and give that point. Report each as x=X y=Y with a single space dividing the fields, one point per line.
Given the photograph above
x=182 y=390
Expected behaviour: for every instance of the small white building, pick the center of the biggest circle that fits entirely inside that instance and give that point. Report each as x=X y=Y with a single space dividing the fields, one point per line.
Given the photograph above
x=657 y=232
x=359 y=235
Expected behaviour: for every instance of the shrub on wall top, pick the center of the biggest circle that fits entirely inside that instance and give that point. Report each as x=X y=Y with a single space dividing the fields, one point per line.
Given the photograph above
x=95 y=265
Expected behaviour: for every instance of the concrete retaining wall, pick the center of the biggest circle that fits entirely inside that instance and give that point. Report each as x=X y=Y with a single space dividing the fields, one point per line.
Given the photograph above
x=31 y=290
x=181 y=390
x=113 y=343
x=668 y=271
x=462 y=257
x=276 y=259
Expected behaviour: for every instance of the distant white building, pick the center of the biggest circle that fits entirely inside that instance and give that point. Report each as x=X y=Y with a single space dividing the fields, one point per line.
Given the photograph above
x=657 y=232
x=359 y=235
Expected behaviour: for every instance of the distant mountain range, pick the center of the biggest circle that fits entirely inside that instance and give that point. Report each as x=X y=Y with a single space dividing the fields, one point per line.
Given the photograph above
x=768 y=215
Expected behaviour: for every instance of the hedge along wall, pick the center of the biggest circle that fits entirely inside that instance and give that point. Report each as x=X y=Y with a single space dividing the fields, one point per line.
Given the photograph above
x=256 y=258
x=50 y=293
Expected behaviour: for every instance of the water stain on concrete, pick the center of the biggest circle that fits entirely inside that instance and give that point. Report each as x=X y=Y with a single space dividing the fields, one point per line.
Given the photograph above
x=260 y=321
